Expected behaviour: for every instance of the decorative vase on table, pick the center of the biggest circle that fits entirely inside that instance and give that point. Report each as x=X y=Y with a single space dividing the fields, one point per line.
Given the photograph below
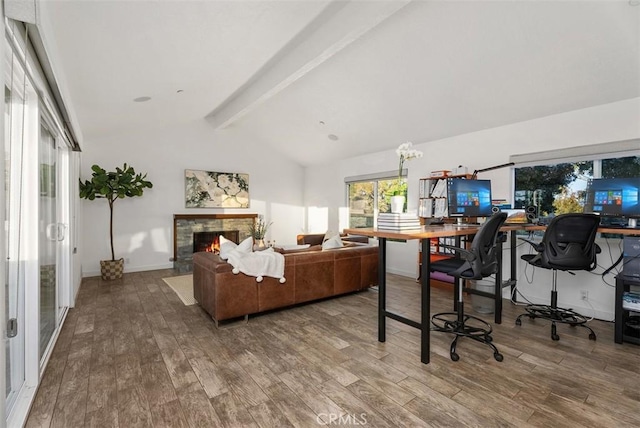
x=258 y=244
x=397 y=204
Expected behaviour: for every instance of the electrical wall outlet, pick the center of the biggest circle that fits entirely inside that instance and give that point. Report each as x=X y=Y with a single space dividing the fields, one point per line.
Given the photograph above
x=584 y=294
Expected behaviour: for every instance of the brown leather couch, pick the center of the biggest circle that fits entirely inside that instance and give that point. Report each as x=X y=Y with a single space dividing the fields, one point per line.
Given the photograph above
x=310 y=274
x=317 y=238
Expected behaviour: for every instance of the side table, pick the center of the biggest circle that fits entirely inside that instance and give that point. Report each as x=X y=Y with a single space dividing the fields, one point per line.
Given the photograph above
x=624 y=330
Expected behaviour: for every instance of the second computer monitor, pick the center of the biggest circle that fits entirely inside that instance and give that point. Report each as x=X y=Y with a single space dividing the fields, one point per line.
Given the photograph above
x=614 y=197
x=469 y=198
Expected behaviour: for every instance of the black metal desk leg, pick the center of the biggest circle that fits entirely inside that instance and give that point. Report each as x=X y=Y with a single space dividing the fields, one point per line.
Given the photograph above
x=618 y=330
x=513 y=256
x=425 y=321
x=382 y=289
x=498 y=289
x=457 y=284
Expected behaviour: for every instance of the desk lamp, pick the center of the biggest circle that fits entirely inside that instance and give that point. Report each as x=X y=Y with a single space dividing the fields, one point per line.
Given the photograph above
x=491 y=168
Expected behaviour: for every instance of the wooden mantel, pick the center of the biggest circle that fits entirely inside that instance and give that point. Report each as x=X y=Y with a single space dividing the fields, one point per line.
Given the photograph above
x=210 y=216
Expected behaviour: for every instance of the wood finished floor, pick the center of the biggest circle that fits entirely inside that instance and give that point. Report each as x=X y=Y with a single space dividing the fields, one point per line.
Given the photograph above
x=131 y=354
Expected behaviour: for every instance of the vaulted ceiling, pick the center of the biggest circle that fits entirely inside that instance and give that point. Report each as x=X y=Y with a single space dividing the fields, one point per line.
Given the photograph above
x=320 y=80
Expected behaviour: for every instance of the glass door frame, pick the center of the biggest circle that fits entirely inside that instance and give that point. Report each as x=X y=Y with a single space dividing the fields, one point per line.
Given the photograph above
x=43 y=112
x=25 y=120
x=62 y=225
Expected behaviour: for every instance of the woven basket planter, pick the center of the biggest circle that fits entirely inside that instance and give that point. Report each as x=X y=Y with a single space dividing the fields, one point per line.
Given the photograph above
x=111 y=269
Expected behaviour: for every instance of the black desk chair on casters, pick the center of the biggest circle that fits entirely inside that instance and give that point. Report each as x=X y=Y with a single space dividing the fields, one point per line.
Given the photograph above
x=477 y=262
x=568 y=244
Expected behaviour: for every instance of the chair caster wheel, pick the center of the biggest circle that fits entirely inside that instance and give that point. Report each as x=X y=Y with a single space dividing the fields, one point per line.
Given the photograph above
x=555 y=337
x=592 y=336
x=498 y=357
x=518 y=322
x=454 y=356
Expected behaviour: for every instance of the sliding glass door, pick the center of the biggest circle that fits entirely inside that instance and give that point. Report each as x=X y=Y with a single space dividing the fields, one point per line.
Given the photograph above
x=37 y=207
x=49 y=237
x=53 y=251
x=20 y=112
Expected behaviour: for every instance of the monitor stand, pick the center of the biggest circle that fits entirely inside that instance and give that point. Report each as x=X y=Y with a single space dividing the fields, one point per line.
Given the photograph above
x=465 y=221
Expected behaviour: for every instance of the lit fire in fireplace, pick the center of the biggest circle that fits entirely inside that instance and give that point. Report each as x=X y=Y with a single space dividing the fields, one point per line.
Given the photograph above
x=209 y=241
x=214 y=247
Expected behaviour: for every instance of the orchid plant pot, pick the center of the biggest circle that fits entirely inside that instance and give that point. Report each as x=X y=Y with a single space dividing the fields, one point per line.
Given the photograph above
x=397 y=204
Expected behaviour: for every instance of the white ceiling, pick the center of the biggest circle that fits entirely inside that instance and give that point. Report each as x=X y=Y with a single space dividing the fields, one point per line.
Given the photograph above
x=376 y=73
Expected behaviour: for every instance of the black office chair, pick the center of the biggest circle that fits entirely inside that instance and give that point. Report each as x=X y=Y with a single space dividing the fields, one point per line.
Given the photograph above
x=568 y=244
x=477 y=262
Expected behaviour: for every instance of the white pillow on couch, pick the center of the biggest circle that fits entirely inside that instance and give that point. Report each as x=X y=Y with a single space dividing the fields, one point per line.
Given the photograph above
x=246 y=246
x=328 y=235
x=226 y=246
x=333 y=242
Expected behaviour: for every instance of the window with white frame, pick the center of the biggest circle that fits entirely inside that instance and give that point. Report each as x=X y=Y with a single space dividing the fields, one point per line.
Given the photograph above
x=557 y=186
x=371 y=194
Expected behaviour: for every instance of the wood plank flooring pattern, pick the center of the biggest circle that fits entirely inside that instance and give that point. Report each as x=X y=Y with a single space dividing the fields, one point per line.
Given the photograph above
x=132 y=355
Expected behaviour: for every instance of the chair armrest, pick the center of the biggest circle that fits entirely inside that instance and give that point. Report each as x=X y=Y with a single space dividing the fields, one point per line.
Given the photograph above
x=466 y=254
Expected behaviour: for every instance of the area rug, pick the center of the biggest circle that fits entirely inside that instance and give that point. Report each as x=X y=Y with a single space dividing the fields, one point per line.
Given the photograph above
x=183 y=286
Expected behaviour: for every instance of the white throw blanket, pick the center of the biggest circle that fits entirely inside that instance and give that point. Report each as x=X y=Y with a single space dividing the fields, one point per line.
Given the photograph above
x=258 y=264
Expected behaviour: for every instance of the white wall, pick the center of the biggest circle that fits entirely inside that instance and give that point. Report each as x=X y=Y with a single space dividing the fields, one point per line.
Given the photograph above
x=143 y=226
x=325 y=187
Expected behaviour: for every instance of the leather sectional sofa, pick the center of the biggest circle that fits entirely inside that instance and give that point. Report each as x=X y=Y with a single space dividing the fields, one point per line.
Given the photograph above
x=310 y=274
x=317 y=238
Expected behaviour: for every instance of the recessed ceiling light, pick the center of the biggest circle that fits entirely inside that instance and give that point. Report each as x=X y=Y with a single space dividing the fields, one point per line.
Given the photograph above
x=333 y=137
x=141 y=99
x=634 y=2
x=321 y=122
x=179 y=91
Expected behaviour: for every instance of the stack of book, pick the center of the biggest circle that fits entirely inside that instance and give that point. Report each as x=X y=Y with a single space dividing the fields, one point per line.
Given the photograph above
x=402 y=221
x=631 y=301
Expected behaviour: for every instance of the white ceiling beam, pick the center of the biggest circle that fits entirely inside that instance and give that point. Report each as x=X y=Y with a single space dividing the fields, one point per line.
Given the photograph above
x=21 y=10
x=340 y=24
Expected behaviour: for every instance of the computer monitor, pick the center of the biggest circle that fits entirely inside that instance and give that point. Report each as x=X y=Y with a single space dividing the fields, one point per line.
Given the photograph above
x=469 y=198
x=614 y=197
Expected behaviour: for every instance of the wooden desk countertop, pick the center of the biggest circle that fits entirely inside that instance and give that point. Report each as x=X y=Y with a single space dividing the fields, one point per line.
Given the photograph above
x=439 y=231
x=448 y=230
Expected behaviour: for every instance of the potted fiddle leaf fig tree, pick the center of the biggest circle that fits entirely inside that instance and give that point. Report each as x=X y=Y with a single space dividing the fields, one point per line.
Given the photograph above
x=122 y=183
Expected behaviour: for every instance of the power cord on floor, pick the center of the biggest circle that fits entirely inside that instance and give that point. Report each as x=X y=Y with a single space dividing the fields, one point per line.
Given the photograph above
x=517 y=303
x=593 y=310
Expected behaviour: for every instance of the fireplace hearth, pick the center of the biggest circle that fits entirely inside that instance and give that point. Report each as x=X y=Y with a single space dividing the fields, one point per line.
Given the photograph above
x=235 y=227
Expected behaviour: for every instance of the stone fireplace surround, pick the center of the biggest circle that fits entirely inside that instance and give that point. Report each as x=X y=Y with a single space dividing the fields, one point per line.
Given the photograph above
x=184 y=226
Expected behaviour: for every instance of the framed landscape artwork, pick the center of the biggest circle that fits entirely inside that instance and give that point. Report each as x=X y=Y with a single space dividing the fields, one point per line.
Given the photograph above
x=206 y=189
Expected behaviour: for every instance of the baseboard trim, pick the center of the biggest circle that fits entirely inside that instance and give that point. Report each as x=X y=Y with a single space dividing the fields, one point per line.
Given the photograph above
x=89 y=274
x=401 y=273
